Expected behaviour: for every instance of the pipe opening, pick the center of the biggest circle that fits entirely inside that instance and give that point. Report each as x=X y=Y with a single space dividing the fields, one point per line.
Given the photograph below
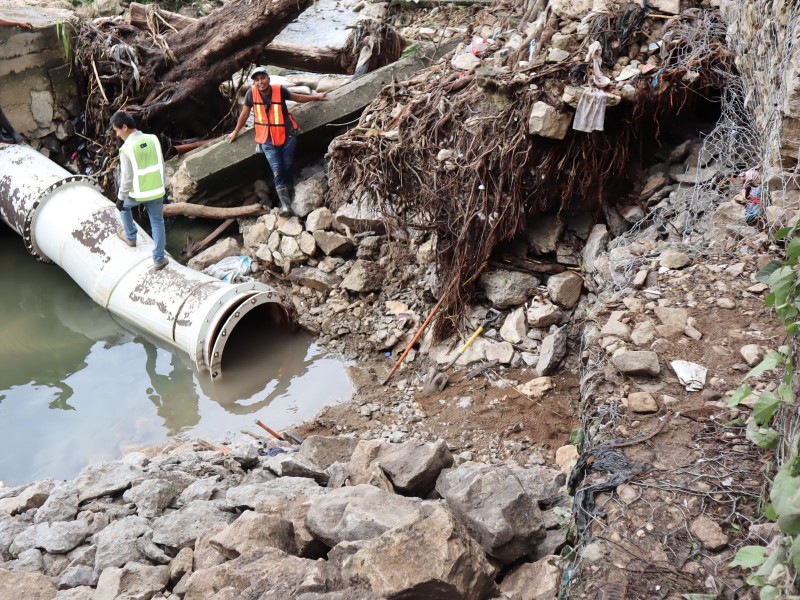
x=239 y=341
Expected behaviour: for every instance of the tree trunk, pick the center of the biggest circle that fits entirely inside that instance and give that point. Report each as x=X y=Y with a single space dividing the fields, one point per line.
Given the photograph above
x=303 y=58
x=185 y=209
x=181 y=79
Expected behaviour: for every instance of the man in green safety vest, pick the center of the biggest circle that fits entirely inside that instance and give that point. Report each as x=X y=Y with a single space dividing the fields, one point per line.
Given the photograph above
x=141 y=183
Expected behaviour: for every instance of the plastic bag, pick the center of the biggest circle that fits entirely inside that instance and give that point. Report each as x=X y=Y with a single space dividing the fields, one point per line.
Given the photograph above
x=232 y=269
x=478 y=45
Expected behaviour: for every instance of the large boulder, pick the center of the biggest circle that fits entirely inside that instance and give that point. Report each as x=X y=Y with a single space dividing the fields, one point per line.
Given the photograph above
x=314 y=278
x=253 y=532
x=151 y=497
x=565 y=289
x=131 y=581
x=360 y=217
x=323 y=450
x=320 y=218
x=308 y=195
x=61 y=504
x=433 y=557
x=32 y=496
x=28 y=586
x=533 y=581
x=295 y=511
x=116 y=544
x=57 y=538
x=181 y=528
x=364 y=276
x=214 y=254
x=106 y=478
x=359 y=512
x=251 y=495
x=547 y=121
x=543 y=315
x=505 y=289
x=594 y=247
x=496 y=508
x=332 y=243
x=271 y=574
x=553 y=350
x=10 y=528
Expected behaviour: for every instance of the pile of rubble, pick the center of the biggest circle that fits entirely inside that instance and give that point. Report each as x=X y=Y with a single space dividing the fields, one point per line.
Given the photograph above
x=263 y=521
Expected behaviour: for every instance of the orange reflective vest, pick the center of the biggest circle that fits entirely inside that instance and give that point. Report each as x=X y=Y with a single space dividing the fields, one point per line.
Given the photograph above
x=269 y=117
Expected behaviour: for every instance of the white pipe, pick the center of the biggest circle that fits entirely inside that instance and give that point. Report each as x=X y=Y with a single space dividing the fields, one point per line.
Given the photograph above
x=65 y=219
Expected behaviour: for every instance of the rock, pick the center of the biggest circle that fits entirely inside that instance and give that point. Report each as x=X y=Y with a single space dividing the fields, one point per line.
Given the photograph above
x=672 y=7
x=364 y=276
x=307 y=244
x=495 y=507
x=76 y=576
x=290 y=249
x=151 y=497
x=543 y=315
x=254 y=235
x=181 y=528
x=131 y=581
x=181 y=565
x=547 y=121
x=433 y=557
x=360 y=512
x=332 y=244
x=32 y=496
x=565 y=289
x=553 y=350
x=295 y=511
x=674 y=260
x=290 y=227
x=514 y=328
x=726 y=303
x=61 y=504
x=502 y=352
x=543 y=234
x=465 y=61
x=116 y=544
x=323 y=451
x=293 y=465
x=9 y=529
x=642 y=402
x=654 y=183
x=78 y=593
x=28 y=561
x=636 y=362
x=594 y=247
x=214 y=254
x=673 y=320
x=505 y=289
x=616 y=329
x=105 y=479
x=709 y=533
x=753 y=354
x=205 y=555
x=413 y=467
x=555 y=55
x=360 y=217
x=537 y=387
x=61 y=536
x=533 y=581
x=26 y=586
x=565 y=456
x=571 y=9
x=253 y=532
x=202 y=489
x=270 y=575
x=321 y=218
x=643 y=333
x=308 y=196
x=313 y=278
x=284 y=487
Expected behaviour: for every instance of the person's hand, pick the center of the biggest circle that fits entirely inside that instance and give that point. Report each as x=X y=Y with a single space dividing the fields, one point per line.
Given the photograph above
x=322 y=95
x=232 y=137
x=26 y=25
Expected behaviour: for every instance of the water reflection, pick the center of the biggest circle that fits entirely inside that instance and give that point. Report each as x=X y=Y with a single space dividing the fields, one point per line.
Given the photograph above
x=76 y=386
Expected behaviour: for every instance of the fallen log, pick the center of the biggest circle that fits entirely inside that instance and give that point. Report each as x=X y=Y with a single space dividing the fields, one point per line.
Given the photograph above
x=185 y=209
x=193 y=248
x=527 y=265
x=303 y=58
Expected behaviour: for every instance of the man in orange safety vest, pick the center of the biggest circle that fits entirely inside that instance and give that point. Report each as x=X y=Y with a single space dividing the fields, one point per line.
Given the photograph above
x=276 y=130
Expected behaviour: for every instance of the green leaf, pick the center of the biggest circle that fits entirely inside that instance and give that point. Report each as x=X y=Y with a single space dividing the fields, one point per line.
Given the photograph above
x=786 y=393
x=793 y=249
x=749 y=557
x=763 y=437
x=769 y=299
x=785 y=496
x=412 y=49
x=767 y=270
x=769 y=362
x=766 y=406
x=769 y=513
x=700 y=596
x=794 y=551
x=769 y=592
x=576 y=437
x=742 y=392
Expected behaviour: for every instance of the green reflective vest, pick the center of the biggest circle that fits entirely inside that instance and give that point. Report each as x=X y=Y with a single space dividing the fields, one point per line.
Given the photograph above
x=144 y=152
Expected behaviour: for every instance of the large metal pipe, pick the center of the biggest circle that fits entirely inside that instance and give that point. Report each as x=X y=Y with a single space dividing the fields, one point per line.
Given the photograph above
x=65 y=219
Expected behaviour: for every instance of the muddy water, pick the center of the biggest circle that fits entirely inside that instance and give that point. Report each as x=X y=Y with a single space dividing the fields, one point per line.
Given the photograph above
x=77 y=386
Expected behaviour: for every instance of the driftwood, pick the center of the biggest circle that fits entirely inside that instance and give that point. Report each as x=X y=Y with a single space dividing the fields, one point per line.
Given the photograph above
x=435 y=3
x=138 y=15
x=193 y=248
x=186 y=209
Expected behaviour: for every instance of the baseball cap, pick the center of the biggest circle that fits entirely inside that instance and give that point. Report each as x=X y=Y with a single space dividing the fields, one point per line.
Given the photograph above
x=257 y=70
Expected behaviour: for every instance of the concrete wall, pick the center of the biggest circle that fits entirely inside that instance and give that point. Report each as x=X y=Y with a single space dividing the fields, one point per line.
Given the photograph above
x=766 y=37
x=37 y=91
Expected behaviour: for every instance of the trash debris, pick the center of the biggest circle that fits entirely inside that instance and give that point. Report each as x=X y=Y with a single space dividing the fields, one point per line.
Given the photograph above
x=233 y=269
x=691 y=375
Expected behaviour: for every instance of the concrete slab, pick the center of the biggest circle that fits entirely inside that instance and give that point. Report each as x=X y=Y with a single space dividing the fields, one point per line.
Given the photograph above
x=222 y=166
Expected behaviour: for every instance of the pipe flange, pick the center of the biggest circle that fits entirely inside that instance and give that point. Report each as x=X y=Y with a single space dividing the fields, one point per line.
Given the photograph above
x=27 y=228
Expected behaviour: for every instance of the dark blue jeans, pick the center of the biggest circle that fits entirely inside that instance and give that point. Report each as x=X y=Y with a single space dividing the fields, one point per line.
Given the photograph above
x=280 y=159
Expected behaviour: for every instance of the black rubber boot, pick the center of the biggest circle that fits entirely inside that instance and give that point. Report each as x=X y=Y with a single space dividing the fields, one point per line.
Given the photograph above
x=286 y=202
